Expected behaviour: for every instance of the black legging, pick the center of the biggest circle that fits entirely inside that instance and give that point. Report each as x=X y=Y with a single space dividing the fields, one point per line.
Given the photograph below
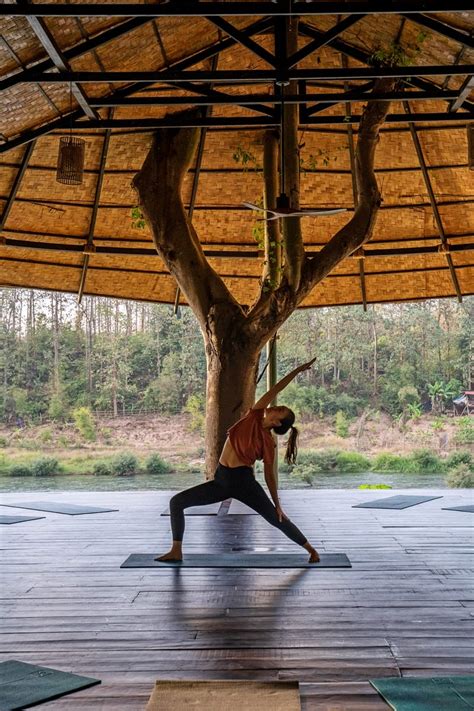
x=236 y=483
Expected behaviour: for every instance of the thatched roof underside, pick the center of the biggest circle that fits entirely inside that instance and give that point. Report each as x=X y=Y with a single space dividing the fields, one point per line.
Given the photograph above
x=48 y=224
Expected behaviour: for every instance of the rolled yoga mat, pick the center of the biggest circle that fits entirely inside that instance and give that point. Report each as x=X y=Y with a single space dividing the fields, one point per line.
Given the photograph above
x=220 y=695
x=18 y=519
x=240 y=560
x=446 y=693
x=467 y=507
x=60 y=508
x=23 y=685
x=208 y=510
x=396 y=502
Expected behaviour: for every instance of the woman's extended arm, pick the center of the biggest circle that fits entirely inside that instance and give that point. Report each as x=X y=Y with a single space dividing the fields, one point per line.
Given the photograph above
x=270 y=480
x=269 y=396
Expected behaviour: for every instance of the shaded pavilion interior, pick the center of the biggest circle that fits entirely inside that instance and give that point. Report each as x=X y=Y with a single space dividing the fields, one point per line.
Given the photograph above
x=405 y=608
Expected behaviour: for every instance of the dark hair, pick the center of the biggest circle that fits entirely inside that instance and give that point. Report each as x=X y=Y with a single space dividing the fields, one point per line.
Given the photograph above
x=292 y=445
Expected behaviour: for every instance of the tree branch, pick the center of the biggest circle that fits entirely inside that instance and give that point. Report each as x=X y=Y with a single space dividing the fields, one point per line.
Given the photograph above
x=159 y=185
x=359 y=228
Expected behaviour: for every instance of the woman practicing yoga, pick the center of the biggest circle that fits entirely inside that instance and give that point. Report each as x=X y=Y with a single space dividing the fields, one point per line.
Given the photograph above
x=249 y=439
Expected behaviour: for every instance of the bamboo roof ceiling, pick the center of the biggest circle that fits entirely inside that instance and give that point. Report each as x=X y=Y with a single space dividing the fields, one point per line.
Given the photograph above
x=64 y=64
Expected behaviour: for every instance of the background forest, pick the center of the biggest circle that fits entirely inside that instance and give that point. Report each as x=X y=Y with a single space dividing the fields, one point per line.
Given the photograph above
x=120 y=357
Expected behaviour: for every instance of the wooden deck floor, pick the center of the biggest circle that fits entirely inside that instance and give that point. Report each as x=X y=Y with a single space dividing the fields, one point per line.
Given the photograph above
x=405 y=608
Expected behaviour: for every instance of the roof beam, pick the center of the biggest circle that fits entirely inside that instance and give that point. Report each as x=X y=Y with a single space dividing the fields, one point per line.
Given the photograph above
x=441 y=28
x=252 y=76
x=323 y=40
x=434 y=205
x=466 y=89
x=78 y=51
x=223 y=254
x=361 y=56
x=16 y=184
x=219 y=98
x=49 y=43
x=196 y=58
x=233 y=8
x=243 y=39
x=180 y=121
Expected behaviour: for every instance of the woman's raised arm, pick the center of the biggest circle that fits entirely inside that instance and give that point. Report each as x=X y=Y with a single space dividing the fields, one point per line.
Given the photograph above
x=269 y=396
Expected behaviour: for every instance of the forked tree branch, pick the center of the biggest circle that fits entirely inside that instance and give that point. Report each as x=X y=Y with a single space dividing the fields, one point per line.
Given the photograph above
x=359 y=228
x=159 y=185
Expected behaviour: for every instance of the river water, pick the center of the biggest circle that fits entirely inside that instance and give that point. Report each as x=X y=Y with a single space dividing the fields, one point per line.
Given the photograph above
x=179 y=480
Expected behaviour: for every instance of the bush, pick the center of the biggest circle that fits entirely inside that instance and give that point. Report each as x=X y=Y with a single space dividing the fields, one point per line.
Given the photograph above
x=47 y=466
x=423 y=460
x=101 y=469
x=84 y=422
x=46 y=436
x=305 y=472
x=408 y=395
x=461 y=477
x=3 y=442
x=352 y=462
x=124 y=464
x=20 y=470
x=324 y=460
x=156 y=465
x=465 y=433
x=57 y=409
x=374 y=486
x=342 y=425
x=462 y=457
x=387 y=462
x=195 y=407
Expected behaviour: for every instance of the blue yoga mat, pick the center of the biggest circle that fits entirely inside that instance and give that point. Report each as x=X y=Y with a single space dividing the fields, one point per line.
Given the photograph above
x=467 y=508
x=239 y=560
x=445 y=693
x=8 y=520
x=23 y=685
x=58 y=507
x=396 y=502
x=207 y=510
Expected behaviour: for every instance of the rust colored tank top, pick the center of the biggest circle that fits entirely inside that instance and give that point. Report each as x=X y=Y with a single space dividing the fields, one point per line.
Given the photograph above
x=251 y=440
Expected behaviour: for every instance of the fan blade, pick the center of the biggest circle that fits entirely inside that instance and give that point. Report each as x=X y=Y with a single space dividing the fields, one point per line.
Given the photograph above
x=253 y=207
x=323 y=212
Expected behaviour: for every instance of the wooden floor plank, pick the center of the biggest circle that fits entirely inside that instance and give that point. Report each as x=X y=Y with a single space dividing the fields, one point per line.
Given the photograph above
x=406 y=608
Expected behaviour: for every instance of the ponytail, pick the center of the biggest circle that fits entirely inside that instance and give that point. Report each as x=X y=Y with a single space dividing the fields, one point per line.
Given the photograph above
x=292 y=446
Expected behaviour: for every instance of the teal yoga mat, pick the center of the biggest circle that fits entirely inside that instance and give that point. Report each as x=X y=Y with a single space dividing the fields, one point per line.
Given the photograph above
x=240 y=560
x=446 y=693
x=23 y=685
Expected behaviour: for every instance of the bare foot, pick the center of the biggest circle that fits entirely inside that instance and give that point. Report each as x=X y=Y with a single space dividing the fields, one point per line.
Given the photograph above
x=314 y=556
x=170 y=557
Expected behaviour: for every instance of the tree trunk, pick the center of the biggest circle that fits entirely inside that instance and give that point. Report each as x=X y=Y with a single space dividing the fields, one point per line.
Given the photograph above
x=230 y=392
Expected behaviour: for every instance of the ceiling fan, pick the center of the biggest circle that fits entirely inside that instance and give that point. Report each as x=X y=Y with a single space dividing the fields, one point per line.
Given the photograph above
x=283 y=208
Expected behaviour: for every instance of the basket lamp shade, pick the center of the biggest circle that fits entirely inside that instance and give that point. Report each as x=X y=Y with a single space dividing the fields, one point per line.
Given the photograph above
x=470 y=145
x=70 y=169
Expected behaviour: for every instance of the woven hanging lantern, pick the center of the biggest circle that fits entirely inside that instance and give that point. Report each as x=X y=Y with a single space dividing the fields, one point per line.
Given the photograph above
x=70 y=170
x=470 y=145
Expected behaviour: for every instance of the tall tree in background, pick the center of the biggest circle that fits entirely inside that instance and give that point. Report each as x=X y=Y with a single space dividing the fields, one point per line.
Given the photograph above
x=234 y=335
